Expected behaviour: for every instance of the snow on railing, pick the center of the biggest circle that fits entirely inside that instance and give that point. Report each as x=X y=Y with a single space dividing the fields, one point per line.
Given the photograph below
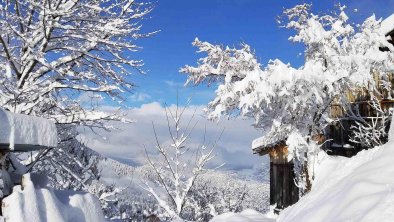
x=20 y=132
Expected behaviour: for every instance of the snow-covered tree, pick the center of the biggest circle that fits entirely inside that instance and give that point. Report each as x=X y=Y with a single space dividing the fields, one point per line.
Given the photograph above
x=109 y=198
x=284 y=100
x=179 y=164
x=52 y=54
x=51 y=51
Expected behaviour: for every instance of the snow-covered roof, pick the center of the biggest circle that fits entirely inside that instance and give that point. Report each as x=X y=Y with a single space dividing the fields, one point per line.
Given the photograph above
x=262 y=144
x=20 y=132
x=276 y=136
x=387 y=25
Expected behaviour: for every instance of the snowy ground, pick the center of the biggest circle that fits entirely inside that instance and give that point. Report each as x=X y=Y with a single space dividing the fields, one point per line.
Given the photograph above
x=360 y=188
x=357 y=189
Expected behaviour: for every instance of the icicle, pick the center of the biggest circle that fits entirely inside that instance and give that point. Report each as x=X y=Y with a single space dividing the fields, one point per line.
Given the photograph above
x=12 y=133
x=391 y=131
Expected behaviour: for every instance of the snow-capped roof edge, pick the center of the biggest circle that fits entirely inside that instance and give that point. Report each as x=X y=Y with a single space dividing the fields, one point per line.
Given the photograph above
x=387 y=25
x=20 y=132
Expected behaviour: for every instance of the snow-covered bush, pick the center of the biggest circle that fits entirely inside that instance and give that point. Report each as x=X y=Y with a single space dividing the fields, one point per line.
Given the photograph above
x=371 y=131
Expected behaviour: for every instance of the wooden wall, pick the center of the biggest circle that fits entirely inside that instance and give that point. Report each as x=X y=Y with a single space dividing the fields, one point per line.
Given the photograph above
x=339 y=132
x=283 y=190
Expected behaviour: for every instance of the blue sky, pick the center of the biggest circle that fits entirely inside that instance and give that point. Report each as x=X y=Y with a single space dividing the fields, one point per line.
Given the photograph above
x=227 y=22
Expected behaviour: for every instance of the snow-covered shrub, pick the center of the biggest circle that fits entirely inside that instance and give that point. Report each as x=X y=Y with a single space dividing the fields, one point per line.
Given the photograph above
x=371 y=131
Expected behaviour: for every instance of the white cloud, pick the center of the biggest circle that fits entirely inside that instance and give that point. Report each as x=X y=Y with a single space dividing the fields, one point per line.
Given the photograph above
x=171 y=83
x=127 y=144
x=140 y=97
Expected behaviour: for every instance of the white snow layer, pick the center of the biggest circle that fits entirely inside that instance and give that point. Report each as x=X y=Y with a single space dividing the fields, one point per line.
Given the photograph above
x=38 y=204
x=387 y=25
x=258 y=143
x=19 y=129
x=360 y=188
x=247 y=215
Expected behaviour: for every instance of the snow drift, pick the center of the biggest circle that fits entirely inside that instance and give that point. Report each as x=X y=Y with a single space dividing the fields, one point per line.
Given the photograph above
x=21 y=132
x=357 y=189
x=37 y=204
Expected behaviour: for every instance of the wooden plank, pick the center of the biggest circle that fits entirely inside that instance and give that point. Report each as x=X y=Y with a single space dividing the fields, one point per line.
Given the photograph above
x=283 y=191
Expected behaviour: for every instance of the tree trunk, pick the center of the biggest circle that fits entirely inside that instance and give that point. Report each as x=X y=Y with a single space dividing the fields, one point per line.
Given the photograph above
x=307 y=180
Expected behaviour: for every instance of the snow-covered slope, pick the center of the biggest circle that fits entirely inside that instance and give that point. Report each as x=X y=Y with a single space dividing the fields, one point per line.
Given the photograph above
x=357 y=189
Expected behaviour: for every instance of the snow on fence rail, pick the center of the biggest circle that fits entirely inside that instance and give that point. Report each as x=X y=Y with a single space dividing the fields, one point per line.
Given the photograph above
x=20 y=132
